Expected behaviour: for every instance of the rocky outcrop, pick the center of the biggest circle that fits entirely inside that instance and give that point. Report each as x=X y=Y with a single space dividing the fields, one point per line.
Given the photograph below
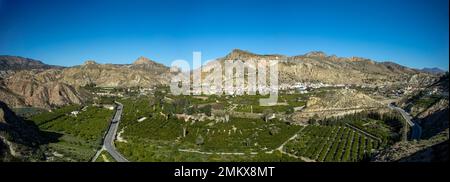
x=11 y=98
x=19 y=140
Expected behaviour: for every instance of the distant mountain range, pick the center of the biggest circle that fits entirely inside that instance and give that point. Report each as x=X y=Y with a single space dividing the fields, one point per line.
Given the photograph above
x=433 y=70
x=28 y=82
x=21 y=63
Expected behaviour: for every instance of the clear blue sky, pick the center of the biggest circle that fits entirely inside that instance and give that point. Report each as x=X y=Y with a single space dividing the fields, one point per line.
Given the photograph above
x=414 y=33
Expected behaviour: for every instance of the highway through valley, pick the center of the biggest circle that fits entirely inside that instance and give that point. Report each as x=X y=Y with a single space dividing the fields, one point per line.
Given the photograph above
x=416 y=130
x=108 y=141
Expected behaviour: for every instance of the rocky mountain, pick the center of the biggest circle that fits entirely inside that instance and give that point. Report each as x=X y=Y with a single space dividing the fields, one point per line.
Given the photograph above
x=316 y=67
x=19 y=140
x=39 y=89
x=142 y=73
x=21 y=63
x=50 y=86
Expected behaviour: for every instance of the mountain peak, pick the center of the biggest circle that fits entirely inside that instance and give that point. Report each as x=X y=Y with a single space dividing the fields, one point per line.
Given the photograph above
x=238 y=53
x=143 y=60
x=90 y=62
x=316 y=54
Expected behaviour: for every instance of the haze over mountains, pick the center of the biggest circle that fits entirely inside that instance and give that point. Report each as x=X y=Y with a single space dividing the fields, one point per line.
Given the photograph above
x=28 y=82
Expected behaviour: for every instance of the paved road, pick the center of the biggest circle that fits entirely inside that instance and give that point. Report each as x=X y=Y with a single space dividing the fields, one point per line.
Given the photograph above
x=108 y=142
x=416 y=130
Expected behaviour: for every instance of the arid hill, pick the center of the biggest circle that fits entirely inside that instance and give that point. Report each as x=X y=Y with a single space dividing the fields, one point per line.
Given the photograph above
x=336 y=103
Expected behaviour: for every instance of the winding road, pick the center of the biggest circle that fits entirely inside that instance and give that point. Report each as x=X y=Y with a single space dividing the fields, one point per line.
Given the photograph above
x=416 y=130
x=108 y=141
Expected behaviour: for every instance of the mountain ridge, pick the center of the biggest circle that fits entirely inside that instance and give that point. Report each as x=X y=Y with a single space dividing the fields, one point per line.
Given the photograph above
x=63 y=85
x=232 y=54
x=8 y=62
x=316 y=66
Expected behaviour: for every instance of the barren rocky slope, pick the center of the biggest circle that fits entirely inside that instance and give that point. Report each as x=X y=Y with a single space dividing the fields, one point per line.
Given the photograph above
x=336 y=103
x=341 y=99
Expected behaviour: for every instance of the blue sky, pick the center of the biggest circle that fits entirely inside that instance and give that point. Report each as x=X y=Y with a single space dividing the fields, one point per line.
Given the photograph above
x=414 y=33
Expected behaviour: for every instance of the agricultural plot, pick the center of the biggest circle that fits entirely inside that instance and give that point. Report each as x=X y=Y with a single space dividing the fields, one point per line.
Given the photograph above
x=153 y=132
x=145 y=150
x=160 y=135
x=73 y=137
x=236 y=135
x=331 y=144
